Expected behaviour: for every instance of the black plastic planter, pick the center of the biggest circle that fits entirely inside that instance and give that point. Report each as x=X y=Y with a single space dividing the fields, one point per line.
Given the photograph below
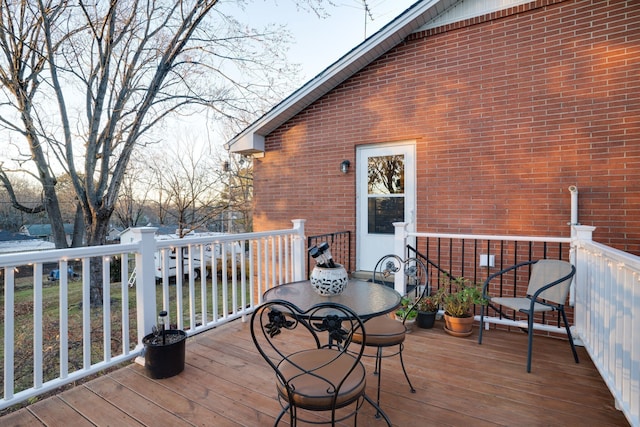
x=164 y=360
x=426 y=319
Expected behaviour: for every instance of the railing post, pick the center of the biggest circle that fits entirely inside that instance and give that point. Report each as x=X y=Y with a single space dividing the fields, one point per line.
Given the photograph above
x=584 y=232
x=145 y=280
x=299 y=250
x=399 y=248
x=579 y=287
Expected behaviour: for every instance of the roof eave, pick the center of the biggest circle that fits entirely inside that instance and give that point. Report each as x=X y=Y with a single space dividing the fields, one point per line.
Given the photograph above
x=251 y=140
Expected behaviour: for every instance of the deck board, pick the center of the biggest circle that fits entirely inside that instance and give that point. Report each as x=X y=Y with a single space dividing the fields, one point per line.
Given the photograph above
x=458 y=383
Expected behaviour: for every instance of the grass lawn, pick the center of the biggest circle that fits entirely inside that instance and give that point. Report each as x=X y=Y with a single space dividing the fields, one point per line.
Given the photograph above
x=24 y=323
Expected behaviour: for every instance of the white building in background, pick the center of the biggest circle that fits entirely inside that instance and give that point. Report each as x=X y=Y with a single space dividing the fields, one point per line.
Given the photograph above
x=18 y=242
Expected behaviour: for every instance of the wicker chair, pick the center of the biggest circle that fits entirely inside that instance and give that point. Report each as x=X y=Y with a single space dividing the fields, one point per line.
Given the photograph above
x=548 y=288
x=317 y=364
x=385 y=332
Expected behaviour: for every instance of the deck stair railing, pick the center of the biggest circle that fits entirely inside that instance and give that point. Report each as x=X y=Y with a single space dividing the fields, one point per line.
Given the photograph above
x=458 y=253
x=605 y=295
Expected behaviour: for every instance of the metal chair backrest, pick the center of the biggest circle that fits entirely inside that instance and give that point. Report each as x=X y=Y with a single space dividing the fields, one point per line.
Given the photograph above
x=284 y=335
x=553 y=274
x=416 y=274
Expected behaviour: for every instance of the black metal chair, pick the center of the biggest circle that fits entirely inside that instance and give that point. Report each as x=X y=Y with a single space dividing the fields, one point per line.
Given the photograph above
x=548 y=288
x=386 y=332
x=316 y=361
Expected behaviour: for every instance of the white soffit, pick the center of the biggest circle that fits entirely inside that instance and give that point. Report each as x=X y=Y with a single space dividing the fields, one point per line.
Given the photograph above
x=467 y=9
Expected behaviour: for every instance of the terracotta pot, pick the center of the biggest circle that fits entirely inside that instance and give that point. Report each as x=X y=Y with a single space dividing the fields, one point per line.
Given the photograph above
x=458 y=326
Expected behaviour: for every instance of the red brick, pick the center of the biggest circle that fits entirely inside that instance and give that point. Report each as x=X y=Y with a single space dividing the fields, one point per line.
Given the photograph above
x=510 y=108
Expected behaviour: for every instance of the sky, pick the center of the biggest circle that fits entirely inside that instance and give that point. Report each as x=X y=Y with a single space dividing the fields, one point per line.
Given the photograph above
x=319 y=42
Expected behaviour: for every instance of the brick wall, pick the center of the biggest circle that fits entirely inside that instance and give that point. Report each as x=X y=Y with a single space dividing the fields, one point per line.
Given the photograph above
x=507 y=111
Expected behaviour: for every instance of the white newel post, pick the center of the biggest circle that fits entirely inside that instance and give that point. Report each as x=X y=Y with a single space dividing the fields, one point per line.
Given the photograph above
x=299 y=250
x=580 y=287
x=399 y=248
x=145 y=280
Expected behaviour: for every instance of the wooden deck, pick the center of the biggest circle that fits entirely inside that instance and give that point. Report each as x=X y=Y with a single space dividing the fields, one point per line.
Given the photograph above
x=459 y=383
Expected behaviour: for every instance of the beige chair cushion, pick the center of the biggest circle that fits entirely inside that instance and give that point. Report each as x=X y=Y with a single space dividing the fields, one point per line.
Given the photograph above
x=382 y=331
x=311 y=391
x=518 y=304
x=547 y=271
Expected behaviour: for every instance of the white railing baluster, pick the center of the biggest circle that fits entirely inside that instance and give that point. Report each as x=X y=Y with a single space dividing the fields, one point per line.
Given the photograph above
x=165 y=281
x=37 y=326
x=278 y=257
x=225 y=281
x=64 y=320
x=9 y=332
x=192 y=289
x=243 y=275
x=266 y=265
x=252 y=281
x=234 y=278
x=86 y=313
x=289 y=241
x=215 y=284
x=259 y=271
x=203 y=285
x=124 y=306
x=106 y=309
x=275 y=268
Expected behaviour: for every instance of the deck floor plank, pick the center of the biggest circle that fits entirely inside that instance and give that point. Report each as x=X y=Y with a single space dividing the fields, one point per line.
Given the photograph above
x=126 y=399
x=95 y=408
x=458 y=383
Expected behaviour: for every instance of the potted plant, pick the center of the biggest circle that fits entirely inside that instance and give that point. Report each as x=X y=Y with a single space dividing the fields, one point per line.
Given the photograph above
x=164 y=350
x=427 y=309
x=457 y=296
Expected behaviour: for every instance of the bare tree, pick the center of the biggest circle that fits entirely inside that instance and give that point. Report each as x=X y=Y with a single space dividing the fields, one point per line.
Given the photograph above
x=11 y=219
x=239 y=194
x=130 y=206
x=188 y=186
x=86 y=84
x=386 y=175
x=83 y=85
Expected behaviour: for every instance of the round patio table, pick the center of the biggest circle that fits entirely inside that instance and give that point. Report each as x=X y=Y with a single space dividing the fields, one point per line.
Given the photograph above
x=366 y=299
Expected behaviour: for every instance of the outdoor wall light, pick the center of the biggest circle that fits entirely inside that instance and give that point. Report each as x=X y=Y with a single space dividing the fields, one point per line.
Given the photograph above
x=344 y=166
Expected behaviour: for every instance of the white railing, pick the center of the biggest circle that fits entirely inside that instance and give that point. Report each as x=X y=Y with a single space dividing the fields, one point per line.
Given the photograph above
x=607 y=318
x=84 y=338
x=87 y=339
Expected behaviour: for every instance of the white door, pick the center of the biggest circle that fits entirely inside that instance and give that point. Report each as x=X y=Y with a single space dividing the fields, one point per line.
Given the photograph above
x=385 y=193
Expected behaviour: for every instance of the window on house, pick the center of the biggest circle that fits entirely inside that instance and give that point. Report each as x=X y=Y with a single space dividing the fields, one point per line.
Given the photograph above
x=385 y=193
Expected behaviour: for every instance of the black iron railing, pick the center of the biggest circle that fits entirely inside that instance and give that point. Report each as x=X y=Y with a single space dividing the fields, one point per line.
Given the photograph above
x=477 y=259
x=340 y=246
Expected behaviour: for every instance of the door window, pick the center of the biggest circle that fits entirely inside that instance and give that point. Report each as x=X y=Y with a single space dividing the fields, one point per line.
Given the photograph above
x=385 y=189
